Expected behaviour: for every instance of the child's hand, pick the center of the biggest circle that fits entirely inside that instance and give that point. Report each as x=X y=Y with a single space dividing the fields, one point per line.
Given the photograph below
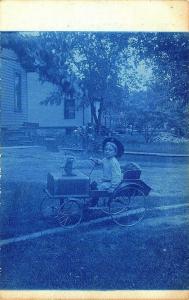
x=95 y=160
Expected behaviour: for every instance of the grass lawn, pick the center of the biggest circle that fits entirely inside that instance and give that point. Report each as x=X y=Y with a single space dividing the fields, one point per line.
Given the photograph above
x=142 y=257
x=132 y=143
x=25 y=174
x=135 y=142
x=151 y=257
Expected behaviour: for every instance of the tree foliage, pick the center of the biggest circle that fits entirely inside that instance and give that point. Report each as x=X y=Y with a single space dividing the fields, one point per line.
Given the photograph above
x=143 y=75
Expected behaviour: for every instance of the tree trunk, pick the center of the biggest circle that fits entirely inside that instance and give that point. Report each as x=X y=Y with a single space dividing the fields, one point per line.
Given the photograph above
x=100 y=111
x=93 y=112
x=97 y=115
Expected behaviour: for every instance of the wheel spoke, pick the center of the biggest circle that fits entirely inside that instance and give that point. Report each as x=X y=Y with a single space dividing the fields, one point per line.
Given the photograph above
x=48 y=208
x=131 y=207
x=70 y=214
x=63 y=221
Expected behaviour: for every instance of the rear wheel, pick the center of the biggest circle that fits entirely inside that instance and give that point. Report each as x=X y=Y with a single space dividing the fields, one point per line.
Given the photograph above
x=128 y=206
x=69 y=214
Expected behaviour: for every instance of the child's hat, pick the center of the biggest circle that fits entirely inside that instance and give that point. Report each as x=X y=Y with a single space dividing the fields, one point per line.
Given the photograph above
x=119 y=145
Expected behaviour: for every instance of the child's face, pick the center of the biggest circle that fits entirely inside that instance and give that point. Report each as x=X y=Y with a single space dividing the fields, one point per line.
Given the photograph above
x=109 y=151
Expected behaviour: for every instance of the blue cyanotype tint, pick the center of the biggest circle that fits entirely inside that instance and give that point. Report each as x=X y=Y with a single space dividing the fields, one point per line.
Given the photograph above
x=94 y=135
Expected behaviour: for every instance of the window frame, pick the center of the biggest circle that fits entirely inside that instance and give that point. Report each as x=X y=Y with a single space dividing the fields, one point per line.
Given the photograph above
x=18 y=92
x=69 y=112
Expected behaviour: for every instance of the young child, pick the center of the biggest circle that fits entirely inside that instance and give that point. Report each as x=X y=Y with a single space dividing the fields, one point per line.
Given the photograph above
x=112 y=175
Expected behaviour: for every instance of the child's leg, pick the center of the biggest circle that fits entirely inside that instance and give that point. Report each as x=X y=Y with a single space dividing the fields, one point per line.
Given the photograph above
x=94 y=200
x=103 y=186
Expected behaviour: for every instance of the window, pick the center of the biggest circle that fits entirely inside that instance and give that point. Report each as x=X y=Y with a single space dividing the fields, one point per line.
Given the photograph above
x=17 y=93
x=69 y=109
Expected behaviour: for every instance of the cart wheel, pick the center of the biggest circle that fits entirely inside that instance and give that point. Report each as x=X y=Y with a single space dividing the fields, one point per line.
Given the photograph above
x=128 y=206
x=49 y=208
x=70 y=214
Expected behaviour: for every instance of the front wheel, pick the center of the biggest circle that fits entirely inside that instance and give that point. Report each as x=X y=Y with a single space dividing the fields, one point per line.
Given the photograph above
x=70 y=214
x=49 y=207
x=128 y=206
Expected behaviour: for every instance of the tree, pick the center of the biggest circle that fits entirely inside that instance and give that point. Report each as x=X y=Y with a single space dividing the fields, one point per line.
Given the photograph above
x=165 y=100
x=136 y=73
x=93 y=64
x=47 y=54
x=81 y=65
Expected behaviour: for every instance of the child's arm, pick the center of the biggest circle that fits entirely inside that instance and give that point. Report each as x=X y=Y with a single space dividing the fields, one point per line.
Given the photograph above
x=96 y=160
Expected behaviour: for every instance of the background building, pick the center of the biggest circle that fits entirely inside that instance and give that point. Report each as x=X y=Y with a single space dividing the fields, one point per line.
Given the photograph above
x=66 y=115
x=21 y=95
x=14 y=102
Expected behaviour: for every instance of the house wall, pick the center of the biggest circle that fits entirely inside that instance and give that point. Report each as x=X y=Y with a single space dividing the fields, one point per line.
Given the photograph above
x=32 y=93
x=10 y=65
x=49 y=115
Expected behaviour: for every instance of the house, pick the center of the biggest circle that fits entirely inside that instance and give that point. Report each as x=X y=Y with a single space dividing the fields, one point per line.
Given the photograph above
x=67 y=115
x=21 y=95
x=14 y=101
